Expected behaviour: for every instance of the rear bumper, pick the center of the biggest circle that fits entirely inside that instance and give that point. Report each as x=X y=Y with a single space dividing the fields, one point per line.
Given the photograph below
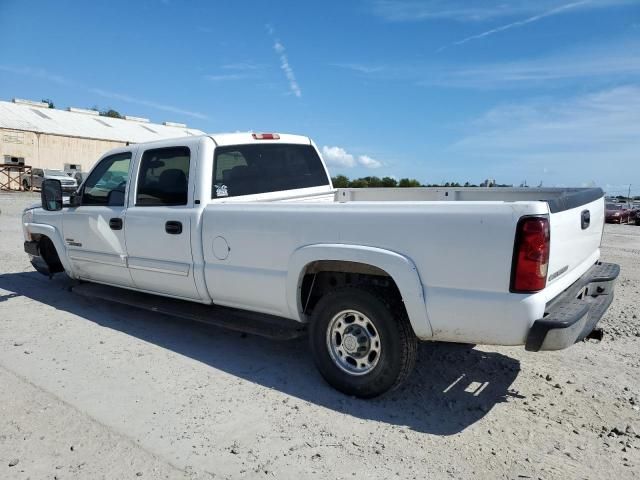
x=573 y=314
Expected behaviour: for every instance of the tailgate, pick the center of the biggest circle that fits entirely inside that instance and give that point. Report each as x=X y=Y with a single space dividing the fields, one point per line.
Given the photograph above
x=576 y=233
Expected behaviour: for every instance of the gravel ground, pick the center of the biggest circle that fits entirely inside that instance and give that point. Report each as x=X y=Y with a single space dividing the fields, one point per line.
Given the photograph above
x=94 y=390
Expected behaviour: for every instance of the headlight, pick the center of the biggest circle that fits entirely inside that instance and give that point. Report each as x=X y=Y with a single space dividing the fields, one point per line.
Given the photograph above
x=27 y=217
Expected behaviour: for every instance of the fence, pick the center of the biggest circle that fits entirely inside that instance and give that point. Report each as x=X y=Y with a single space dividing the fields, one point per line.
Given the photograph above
x=12 y=176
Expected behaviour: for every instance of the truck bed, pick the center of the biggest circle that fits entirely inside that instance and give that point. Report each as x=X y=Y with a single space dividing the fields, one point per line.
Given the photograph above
x=558 y=198
x=460 y=240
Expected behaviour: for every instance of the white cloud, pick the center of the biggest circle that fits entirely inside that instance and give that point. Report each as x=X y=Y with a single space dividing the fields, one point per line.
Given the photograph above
x=597 y=62
x=368 y=162
x=226 y=76
x=241 y=66
x=587 y=64
x=38 y=73
x=147 y=103
x=288 y=71
x=60 y=80
x=279 y=48
x=360 y=67
x=339 y=157
x=575 y=139
x=476 y=11
x=520 y=23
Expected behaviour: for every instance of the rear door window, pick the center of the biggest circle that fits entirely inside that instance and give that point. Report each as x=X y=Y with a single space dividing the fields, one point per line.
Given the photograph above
x=164 y=177
x=263 y=168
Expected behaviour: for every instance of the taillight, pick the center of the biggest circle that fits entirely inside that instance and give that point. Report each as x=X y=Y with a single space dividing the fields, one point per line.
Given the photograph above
x=266 y=136
x=530 y=255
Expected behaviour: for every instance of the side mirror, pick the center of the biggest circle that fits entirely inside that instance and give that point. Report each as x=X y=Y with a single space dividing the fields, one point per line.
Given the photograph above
x=51 y=195
x=74 y=199
x=115 y=198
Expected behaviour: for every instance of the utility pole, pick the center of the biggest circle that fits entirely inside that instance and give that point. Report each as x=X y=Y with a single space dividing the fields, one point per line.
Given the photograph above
x=629 y=196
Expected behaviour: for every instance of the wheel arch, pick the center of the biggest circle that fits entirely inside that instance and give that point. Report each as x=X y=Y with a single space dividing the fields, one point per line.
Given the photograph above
x=38 y=231
x=398 y=267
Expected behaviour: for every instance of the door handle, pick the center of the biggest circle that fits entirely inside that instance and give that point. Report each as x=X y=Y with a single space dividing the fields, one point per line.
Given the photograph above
x=115 y=224
x=173 y=228
x=585 y=219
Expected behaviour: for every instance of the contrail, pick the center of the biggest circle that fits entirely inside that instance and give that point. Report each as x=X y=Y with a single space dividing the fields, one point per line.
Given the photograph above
x=519 y=23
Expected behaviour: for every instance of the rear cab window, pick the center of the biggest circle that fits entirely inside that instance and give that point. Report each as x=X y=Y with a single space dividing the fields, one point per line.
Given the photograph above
x=263 y=168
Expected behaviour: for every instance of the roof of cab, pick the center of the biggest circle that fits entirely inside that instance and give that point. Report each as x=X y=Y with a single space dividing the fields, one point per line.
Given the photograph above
x=224 y=139
x=239 y=138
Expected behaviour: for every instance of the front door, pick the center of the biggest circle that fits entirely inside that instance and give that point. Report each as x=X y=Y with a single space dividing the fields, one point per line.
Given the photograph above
x=94 y=231
x=159 y=221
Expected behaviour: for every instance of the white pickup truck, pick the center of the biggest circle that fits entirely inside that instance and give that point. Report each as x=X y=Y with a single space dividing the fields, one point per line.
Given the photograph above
x=252 y=222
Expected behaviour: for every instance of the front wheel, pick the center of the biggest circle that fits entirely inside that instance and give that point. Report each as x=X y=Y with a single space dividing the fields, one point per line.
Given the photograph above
x=362 y=345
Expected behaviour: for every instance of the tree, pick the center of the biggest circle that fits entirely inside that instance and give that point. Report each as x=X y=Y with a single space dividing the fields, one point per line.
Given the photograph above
x=359 y=183
x=373 y=182
x=389 y=182
x=340 y=181
x=48 y=102
x=409 y=182
x=111 y=113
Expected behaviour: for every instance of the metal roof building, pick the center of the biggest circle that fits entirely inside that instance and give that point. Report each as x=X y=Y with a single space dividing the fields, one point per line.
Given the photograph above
x=33 y=134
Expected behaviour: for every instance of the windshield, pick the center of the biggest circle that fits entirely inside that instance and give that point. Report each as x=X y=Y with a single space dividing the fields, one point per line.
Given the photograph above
x=611 y=206
x=53 y=173
x=263 y=168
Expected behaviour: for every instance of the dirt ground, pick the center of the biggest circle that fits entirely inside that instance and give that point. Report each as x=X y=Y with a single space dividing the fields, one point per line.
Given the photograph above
x=91 y=390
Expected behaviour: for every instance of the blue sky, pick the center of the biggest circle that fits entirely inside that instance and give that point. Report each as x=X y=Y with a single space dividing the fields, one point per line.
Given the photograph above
x=440 y=90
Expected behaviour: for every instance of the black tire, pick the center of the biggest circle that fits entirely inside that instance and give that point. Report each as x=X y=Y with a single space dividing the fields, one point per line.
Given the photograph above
x=398 y=342
x=26 y=186
x=50 y=255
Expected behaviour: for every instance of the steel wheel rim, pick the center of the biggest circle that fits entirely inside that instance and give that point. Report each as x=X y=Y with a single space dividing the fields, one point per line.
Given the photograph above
x=353 y=342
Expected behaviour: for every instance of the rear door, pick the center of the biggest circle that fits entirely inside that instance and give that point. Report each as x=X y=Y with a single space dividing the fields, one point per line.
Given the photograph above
x=159 y=221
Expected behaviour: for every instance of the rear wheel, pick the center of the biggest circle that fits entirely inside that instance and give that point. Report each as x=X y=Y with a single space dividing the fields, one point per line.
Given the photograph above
x=25 y=184
x=361 y=344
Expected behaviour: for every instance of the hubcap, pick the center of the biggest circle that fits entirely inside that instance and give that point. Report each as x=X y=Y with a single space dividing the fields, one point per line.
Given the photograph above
x=353 y=342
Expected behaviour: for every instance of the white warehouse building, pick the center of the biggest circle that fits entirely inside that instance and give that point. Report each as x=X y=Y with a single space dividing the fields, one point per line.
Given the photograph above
x=33 y=134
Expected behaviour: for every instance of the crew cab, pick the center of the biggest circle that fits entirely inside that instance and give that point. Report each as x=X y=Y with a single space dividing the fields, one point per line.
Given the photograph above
x=251 y=221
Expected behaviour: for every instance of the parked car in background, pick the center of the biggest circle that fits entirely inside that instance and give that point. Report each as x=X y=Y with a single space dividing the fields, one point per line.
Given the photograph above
x=635 y=211
x=79 y=176
x=617 y=213
x=74 y=170
x=68 y=184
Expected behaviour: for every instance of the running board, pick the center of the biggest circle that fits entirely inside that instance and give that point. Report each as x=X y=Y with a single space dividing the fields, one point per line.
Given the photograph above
x=269 y=326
